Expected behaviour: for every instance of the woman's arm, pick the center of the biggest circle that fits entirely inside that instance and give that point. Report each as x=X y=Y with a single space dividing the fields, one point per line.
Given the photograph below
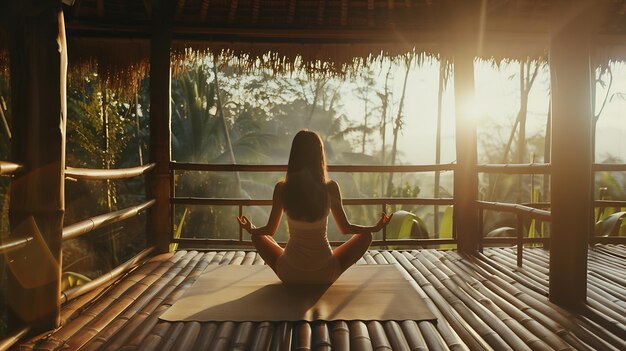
x=339 y=214
x=275 y=215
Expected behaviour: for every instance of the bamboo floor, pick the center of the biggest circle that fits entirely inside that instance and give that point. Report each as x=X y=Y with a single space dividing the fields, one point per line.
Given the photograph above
x=482 y=303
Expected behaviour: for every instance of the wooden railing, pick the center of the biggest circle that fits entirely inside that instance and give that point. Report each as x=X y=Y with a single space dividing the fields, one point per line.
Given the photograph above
x=609 y=167
x=106 y=278
x=107 y=174
x=13 y=338
x=88 y=225
x=83 y=227
x=77 y=229
x=521 y=169
x=241 y=203
x=15 y=244
x=9 y=168
x=535 y=210
x=520 y=211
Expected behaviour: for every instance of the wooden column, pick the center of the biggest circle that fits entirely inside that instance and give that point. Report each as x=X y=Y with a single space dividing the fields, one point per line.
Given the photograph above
x=38 y=64
x=159 y=229
x=572 y=180
x=465 y=175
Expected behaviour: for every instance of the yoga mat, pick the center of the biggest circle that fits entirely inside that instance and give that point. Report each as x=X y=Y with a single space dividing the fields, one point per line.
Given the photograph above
x=254 y=293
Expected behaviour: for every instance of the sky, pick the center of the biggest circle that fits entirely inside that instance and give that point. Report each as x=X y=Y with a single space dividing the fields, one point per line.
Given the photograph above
x=497 y=103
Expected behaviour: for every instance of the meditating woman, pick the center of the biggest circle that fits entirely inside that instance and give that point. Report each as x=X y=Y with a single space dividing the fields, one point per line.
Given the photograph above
x=307 y=196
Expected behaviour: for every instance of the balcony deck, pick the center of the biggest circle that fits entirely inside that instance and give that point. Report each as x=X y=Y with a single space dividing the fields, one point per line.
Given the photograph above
x=483 y=302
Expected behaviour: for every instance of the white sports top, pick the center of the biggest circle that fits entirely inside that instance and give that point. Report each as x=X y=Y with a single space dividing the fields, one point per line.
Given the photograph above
x=308 y=247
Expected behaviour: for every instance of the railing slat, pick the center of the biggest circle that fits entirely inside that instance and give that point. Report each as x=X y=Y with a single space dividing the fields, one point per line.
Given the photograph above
x=103 y=174
x=82 y=227
x=608 y=240
x=15 y=244
x=13 y=338
x=9 y=168
x=220 y=242
x=609 y=203
x=526 y=168
x=531 y=212
x=513 y=240
x=105 y=278
x=609 y=167
x=180 y=166
x=349 y=201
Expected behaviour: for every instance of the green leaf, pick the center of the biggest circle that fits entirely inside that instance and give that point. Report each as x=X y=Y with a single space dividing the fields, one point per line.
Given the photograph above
x=400 y=225
x=611 y=225
x=445 y=228
x=503 y=232
x=72 y=279
x=179 y=230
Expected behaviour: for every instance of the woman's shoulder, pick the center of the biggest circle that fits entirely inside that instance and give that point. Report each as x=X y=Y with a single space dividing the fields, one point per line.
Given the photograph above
x=278 y=188
x=332 y=186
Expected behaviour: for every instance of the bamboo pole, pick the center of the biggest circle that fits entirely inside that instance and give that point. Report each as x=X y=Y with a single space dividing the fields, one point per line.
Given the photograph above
x=79 y=331
x=38 y=67
x=105 y=278
x=159 y=228
x=9 y=168
x=443 y=67
x=522 y=334
x=185 y=166
x=513 y=307
x=13 y=338
x=340 y=335
x=523 y=291
x=77 y=229
x=455 y=326
x=572 y=181
x=99 y=174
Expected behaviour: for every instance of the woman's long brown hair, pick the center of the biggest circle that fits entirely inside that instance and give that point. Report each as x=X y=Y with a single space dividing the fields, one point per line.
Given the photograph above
x=305 y=196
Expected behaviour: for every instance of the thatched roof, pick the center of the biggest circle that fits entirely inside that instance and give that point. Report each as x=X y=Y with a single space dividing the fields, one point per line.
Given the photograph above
x=328 y=35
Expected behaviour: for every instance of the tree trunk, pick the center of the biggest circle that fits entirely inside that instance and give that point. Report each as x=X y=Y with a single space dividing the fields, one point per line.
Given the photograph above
x=220 y=112
x=442 y=80
x=398 y=124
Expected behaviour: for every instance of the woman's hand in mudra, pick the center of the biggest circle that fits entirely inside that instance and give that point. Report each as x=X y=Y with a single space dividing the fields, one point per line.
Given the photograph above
x=382 y=222
x=245 y=223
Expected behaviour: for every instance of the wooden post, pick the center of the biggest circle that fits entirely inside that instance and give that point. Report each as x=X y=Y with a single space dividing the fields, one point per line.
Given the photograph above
x=159 y=229
x=38 y=63
x=465 y=175
x=572 y=180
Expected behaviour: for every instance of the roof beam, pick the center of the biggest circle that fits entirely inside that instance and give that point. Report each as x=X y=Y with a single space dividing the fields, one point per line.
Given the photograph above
x=122 y=5
x=180 y=5
x=148 y=7
x=291 y=11
x=344 y=12
x=100 y=5
x=204 y=10
x=233 y=11
x=256 y=6
x=76 y=7
x=321 y=7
